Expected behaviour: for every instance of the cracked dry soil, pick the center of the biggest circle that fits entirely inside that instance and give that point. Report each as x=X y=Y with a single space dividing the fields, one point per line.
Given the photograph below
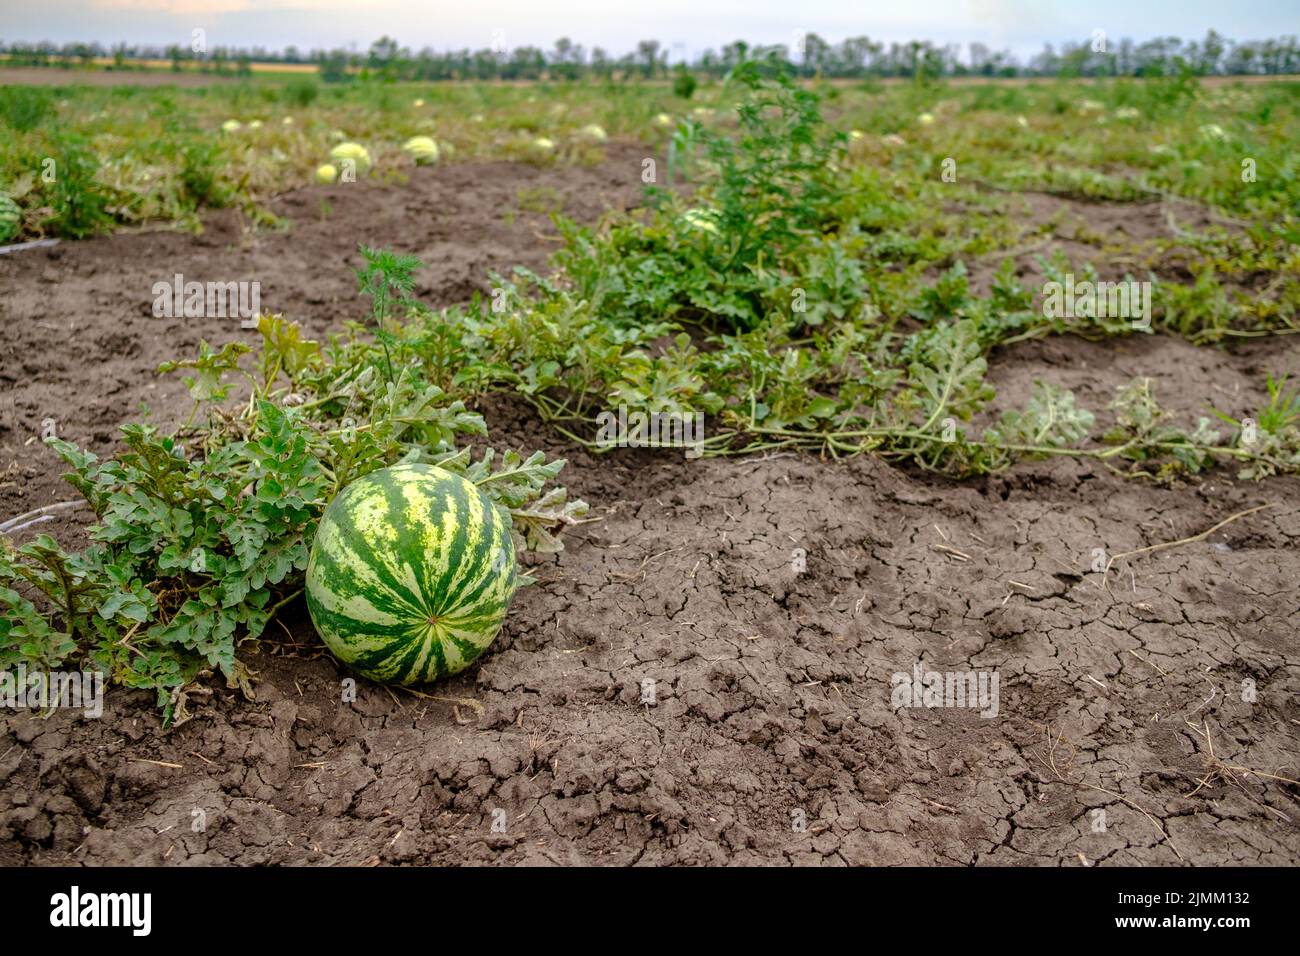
x=771 y=738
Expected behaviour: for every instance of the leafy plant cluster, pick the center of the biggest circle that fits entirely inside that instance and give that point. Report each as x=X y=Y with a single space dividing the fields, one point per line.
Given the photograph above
x=203 y=534
x=794 y=299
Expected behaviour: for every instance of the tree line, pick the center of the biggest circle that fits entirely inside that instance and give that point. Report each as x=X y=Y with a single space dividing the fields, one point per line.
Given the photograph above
x=810 y=56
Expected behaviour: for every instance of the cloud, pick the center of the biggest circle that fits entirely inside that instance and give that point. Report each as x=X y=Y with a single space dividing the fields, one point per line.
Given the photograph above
x=219 y=8
x=176 y=7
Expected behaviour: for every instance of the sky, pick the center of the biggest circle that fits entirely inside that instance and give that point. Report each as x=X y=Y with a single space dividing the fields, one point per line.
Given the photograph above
x=685 y=27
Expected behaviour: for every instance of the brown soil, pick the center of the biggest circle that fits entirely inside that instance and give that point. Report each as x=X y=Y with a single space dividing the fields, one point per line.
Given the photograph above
x=771 y=736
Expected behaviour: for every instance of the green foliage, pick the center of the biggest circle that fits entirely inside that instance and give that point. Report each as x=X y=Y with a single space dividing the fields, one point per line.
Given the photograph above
x=1283 y=409
x=1051 y=420
x=203 y=535
x=27 y=636
x=1272 y=435
x=201 y=175
x=80 y=204
x=387 y=279
x=301 y=92
x=23 y=108
x=805 y=300
x=683 y=82
x=1144 y=434
x=760 y=219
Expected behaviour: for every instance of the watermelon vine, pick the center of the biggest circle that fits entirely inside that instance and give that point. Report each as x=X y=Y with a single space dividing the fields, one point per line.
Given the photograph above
x=203 y=535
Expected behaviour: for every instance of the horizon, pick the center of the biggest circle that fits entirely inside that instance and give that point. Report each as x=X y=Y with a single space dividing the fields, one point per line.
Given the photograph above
x=1020 y=27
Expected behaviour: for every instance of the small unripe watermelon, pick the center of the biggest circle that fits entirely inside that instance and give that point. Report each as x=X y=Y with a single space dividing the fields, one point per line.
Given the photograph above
x=11 y=218
x=353 y=151
x=326 y=173
x=410 y=574
x=703 y=219
x=422 y=149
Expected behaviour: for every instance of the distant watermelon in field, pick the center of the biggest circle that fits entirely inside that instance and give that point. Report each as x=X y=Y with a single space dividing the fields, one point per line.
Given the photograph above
x=422 y=149
x=410 y=574
x=11 y=218
x=353 y=153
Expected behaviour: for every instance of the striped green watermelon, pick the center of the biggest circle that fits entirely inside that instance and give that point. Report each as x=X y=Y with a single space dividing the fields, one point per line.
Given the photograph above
x=11 y=218
x=410 y=574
